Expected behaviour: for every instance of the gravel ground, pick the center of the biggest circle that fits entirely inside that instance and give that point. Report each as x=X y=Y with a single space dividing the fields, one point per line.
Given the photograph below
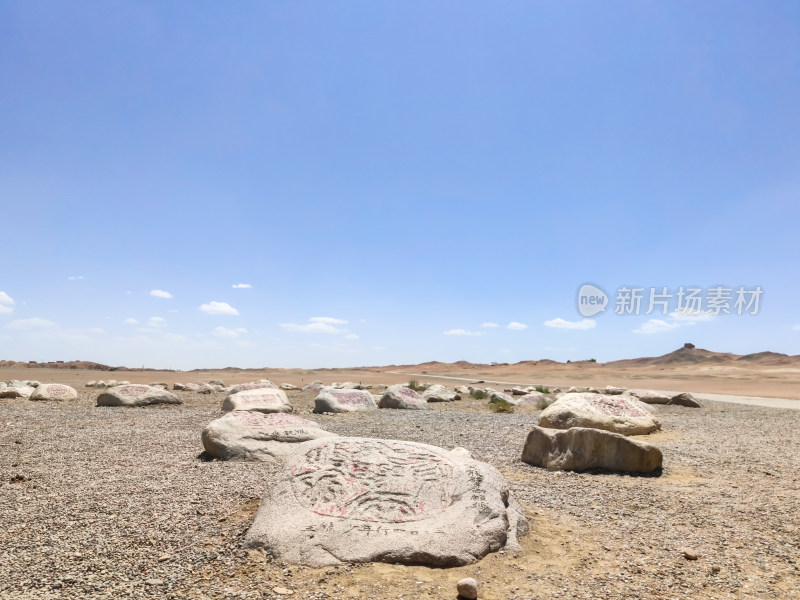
x=116 y=503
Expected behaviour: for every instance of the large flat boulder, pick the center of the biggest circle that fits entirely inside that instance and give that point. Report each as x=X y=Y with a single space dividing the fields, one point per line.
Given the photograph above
x=331 y=400
x=17 y=391
x=582 y=448
x=618 y=414
x=650 y=396
x=265 y=400
x=439 y=393
x=684 y=399
x=356 y=500
x=256 y=385
x=403 y=397
x=247 y=435
x=54 y=392
x=136 y=395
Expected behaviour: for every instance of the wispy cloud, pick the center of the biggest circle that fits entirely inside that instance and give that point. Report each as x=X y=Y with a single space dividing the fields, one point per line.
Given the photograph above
x=796 y=327
x=328 y=320
x=224 y=332
x=30 y=324
x=218 y=308
x=351 y=336
x=517 y=326
x=242 y=286
x=674 y=320
x=317 y=325
x=6 y=304
x=131 y=321
x=560 y=323
x=462 y=332
x=160 y=294
x=656 y=326
x=75 y=277
x=490 y=324
x=155 y=322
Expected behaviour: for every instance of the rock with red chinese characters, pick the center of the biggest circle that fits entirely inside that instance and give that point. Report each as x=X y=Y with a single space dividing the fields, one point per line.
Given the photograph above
x=54 y=392
x=357 y=500
x=401 y=396
x=331 y=400
x=248 y=435
x=619 y=414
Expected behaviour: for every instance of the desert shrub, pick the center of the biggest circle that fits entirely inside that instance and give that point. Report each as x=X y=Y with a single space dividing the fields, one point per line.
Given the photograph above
x=417 y=386
x=501 y=407
x=480 y=395
x=542 y=389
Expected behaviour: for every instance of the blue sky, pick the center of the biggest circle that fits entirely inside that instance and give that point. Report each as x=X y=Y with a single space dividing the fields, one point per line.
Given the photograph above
x=389 y=177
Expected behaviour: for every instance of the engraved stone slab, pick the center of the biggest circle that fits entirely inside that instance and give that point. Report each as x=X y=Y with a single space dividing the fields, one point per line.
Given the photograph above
x=54 y=391
x=582 y=448
x=439 y=393
x=401 y=396
x=351 y=500
x=256 y=385
x=136 y=395
x=337 y=401
x=619 y=414
x=247 y=435
x=265 y=400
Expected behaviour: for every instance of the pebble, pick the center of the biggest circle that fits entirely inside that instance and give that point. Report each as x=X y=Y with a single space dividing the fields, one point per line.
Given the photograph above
x=282 y=591
x=467 y=588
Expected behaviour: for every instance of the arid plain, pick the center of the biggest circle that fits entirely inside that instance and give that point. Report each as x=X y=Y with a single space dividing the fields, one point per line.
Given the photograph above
x=113 y=503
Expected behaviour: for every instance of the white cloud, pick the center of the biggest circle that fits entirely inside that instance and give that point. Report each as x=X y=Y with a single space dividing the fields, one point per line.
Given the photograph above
x=490 y=324
x=242 y=286
x=560 y=323
x=131 y=321
x=462 y=332
x=6 y=304
x=656 y=326
x=517 y=326
x=315 y=327
x=328 y=320
x=224 y=332
x=75 y=277
x=28 y=324
x=351 y=336
x=155 y=322
x=691 y=317
x=160 y=294
x=796 y=327
x=218 y=308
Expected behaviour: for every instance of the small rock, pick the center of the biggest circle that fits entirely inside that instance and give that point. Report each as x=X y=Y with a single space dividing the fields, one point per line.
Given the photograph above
x=282 y=591
x=690 y=554
x=467 y=588
x=154 y=582
x=165 y=557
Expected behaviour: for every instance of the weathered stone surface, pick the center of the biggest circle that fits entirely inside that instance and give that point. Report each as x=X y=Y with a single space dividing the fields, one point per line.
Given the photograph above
x=314 y=386
x=535 y=399
x=611 y=390
x=401 y=396
x=257 y=385
x=501 y=398
x=247 y=435
x=136 y=395
x=353 y=500
x=582 y=448
x=265 y=400
x=337 y=401
x=439 y=393
x=90 y=383
x=55 y=392
x=650 y=396
x=289 y=387
x=620 y=414
x=684 y=399
x=178 y=387
x=462 y=389
x=162 y=384
x=17 y=391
